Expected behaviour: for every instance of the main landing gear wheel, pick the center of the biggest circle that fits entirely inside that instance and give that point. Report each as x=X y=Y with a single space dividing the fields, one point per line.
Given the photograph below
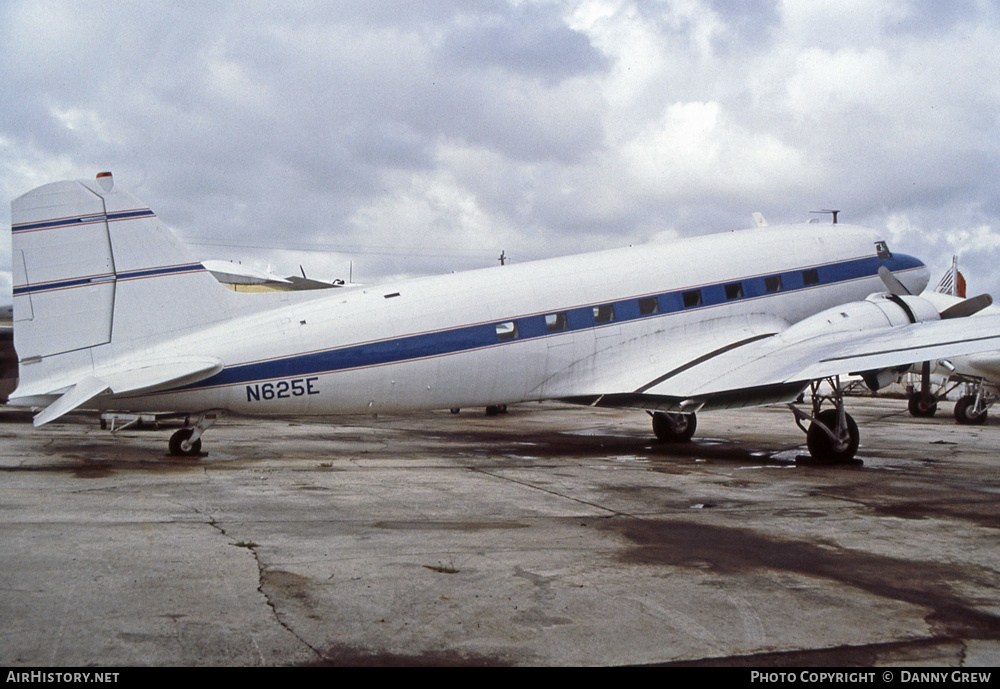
x=966 y=412
x=823 y=448
x=674 y=428
x=920 y=409
x=177 y=441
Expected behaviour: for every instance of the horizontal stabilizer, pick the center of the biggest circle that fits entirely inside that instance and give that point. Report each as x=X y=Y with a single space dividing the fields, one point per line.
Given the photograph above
x=153 y=376
x=162 y=374
x=81 y=393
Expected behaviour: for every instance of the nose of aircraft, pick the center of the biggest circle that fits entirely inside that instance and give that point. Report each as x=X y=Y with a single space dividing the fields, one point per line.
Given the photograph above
x=911 y=271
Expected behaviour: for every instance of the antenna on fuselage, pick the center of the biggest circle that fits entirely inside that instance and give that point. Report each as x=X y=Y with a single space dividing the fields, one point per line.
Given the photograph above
x=503 y=258
x=828 y=210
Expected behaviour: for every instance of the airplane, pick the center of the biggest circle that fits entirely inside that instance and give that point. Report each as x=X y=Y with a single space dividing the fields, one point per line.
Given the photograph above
x=111 y=312
x=980 y=373
x=240 y=278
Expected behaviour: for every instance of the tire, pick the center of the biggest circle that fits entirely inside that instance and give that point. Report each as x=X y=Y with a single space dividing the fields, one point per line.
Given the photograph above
x=917 y=408
x=179 y=437
x=674 y=428
x=822 y=448
x=964 y=412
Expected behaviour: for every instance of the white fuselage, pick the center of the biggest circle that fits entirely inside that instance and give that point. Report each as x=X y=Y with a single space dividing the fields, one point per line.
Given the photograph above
x=592 y=324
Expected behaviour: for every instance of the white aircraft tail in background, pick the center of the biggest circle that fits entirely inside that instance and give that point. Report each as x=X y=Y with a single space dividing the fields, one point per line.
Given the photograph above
x=111 y=312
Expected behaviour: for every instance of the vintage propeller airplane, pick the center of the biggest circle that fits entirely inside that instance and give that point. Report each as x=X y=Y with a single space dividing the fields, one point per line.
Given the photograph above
x=111 y=312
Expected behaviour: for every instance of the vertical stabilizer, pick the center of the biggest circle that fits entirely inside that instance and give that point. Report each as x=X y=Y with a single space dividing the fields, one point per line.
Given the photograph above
x=64 y=290
x=96 y=273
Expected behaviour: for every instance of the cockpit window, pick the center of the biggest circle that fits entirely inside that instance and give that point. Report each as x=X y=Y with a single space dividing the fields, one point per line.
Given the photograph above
x=882 y=250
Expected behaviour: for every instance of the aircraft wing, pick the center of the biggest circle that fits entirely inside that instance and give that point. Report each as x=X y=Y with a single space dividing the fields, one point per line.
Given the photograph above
x=782 y=365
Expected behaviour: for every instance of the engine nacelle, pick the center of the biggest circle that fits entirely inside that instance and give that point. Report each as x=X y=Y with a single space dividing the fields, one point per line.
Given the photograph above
x=875 y=312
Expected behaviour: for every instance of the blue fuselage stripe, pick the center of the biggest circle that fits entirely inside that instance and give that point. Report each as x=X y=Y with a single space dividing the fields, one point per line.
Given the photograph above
x=481 y=336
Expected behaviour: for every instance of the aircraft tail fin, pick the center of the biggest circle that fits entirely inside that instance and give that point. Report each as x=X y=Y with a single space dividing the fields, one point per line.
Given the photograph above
x=95 y=274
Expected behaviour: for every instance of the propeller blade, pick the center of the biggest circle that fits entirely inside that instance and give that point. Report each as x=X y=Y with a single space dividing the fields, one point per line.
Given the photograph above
x=968 y=307
x=892 y=283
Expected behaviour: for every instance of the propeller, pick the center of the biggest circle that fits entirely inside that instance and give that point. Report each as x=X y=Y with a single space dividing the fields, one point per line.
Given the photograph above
x=968 y=307
x=962 y=309
x=892 y=283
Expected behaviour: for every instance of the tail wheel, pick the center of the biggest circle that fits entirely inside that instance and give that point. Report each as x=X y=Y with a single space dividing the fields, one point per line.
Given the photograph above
x=674 y=428
x=823 y=448
x=919 y=409
x=965 y=412
x=177 y=440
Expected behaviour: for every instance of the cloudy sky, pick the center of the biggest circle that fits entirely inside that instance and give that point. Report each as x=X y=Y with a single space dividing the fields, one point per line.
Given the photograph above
x=394 y=138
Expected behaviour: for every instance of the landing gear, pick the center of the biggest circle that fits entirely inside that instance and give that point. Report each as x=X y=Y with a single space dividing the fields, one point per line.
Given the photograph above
x=674 y=428
x=970 y=410
x=181 y=440
x=495 y=409
x=921 y=408
x=833 y=446
x=922 y=402
x=832 y=436
x=187 y=441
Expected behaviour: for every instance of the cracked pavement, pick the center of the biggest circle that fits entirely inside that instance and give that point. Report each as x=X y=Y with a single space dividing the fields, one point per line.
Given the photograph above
x=552 y=535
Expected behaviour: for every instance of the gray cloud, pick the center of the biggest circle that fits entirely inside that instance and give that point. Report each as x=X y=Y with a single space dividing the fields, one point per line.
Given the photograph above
x=422 y=137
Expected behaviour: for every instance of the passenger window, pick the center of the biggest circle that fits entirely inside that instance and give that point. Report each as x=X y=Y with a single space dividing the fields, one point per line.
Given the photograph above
x=734 y=290
x=604 y=313
x=810 y=277
x=554 y=322
x=648 y=306
x=772 y=283
x=692 y=298
x=506 y=331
